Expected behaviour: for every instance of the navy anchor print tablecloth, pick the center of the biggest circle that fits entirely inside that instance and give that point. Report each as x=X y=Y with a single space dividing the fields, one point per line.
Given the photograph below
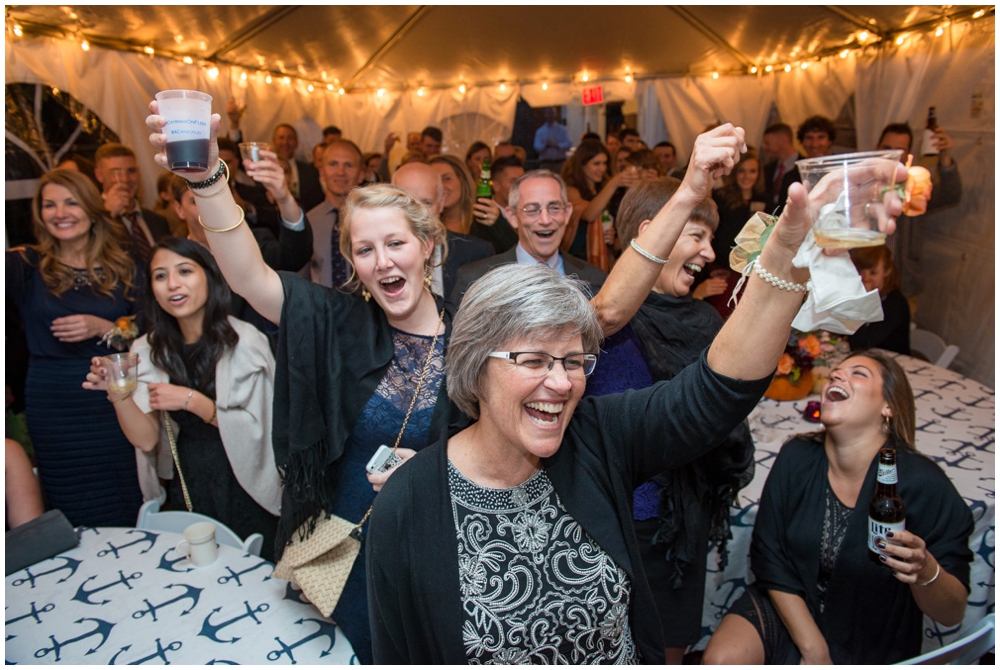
x=124 y=596
x=956 y=427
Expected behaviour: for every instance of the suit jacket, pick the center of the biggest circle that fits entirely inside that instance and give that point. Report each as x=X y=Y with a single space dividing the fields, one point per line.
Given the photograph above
x=473 y=271
x=779 y=198
x=323 y=235
x=462 y=250
x=158 y=226
x=501 y=234
x=310 y=190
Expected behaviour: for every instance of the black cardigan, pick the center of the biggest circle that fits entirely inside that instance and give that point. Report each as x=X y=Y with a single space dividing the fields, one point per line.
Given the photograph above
x=333 y=350
x=870 y=616
x=612 y=444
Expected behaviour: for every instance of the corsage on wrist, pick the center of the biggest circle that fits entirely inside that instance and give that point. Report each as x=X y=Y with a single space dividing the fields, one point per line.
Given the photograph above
x=745 y=256
x=121 y=335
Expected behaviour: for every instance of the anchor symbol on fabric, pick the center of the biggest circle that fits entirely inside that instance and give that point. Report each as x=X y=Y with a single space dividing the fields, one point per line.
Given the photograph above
x=83 y=595
x=70 y=564
x=951 y=414
x=146 y=537
x=168 y=565
x=190 y=592
x=326 y=629
x=924 y=427
x=935 y=632
x=211 y=631
x=982 y=402
x=103 y=629
x=33 y=614
x=160 y=653
x=293 y=594
x=236 y=575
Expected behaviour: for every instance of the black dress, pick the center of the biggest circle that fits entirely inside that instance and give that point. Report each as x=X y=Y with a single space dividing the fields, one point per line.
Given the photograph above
x=211 y=484
x=86 y=466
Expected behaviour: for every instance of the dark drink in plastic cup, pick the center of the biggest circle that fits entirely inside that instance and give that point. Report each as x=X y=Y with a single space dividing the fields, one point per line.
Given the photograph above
x=187 y=115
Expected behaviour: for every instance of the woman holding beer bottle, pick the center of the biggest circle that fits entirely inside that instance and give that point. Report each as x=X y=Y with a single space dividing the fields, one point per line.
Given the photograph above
x=818 y=597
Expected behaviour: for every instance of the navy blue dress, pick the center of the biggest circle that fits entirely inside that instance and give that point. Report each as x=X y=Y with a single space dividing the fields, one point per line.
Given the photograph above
x=86 y=466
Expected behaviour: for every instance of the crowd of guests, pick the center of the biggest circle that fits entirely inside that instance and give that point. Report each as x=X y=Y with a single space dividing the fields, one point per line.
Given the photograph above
x=293 y=315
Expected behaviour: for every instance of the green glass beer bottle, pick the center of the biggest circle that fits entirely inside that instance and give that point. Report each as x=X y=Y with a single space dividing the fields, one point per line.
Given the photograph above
x=484 y=189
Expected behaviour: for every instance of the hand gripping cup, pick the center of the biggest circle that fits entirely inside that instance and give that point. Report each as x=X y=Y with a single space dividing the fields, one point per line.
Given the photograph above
x=251 y=150
x=852 y=189
x=122 y=372
x=187 y=115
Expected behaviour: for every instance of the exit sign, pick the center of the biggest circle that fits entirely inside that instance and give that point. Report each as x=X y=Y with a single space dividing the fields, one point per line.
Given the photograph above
x=593 y=95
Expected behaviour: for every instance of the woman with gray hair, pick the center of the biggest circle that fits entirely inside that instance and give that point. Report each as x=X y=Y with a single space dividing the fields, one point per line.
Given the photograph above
x=512 y=542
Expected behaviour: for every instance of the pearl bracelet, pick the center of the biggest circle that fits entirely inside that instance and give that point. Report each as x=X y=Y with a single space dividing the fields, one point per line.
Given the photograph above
x=937 y=573
x=646 y=254
x=776 y=282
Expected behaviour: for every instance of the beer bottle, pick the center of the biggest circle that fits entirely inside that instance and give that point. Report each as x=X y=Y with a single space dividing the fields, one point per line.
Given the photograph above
x=885 y=511
x=929 y=131
x=484 y=189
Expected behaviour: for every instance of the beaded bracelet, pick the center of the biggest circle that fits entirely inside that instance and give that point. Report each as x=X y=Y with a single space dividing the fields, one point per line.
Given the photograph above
x=646 y=254
x=223 y=170
x=243 y=217
x=778 y=283
x=937 y=573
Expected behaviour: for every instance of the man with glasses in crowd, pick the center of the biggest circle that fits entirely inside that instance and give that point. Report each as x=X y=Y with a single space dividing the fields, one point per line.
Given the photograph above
x=539 y=210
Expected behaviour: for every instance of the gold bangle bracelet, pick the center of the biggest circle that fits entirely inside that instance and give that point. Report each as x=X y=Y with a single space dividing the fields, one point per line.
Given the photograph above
x=215 y=410
x=243 y=217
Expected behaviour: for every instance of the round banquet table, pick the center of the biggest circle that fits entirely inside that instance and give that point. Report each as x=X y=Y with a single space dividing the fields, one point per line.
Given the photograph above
x=124 y=596
x=956 y=424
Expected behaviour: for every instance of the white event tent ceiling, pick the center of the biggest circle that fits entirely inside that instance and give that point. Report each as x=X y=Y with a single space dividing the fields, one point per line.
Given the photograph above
x=366 y=48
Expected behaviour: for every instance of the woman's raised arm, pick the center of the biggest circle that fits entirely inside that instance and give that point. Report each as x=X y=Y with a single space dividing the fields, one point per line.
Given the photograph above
x=232 y=243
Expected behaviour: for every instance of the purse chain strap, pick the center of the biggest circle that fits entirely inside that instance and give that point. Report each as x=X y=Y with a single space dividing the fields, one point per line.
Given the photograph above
x=177 y=460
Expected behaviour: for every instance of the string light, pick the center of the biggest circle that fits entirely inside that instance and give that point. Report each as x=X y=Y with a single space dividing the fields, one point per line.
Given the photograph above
x=85 y=45
x=420 y=91
x=979 y=14
x=768 y=68
x=187 y=59
x=628 y=79
x=310 y=88
x=753 y=69
x=804 y=64
x=341 y=91
x=149 y=51
x=585 y=77
x=843 y=54
x=939 y=32
x=178 y=38
x=788 y=68
x=545 y=85
x=286 y=80
x=380 y=92
x=18 y=31
x=503 y=87
x=267 y=79
x=243 y=76
x=461 y=88
x=329 y=87
x=863 y=36
x=715 y=75
x=213 y=72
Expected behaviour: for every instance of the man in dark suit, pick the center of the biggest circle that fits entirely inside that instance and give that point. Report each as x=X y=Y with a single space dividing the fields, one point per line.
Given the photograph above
x=117 y=171
x=539 y=210
x=424 y=183
x=305 y=177
x=779 y=150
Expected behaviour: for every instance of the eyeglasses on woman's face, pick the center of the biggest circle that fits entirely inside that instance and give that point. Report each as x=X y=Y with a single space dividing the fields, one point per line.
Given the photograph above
x=539 y=363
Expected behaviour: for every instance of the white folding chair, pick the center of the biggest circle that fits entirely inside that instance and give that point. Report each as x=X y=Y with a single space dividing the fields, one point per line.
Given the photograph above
x=964 y=651
x=151 y=518
x=932 y=347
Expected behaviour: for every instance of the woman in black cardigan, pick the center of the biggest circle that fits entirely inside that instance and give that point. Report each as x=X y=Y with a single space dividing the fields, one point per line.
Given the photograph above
x=512 y=541
x=817 y=596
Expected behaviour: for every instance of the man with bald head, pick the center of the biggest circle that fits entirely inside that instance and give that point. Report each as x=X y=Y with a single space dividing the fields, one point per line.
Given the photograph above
x=424 y=183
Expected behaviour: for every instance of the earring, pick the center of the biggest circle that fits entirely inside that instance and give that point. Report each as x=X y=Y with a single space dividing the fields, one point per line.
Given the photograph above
x=365 y=294
x=886 y=426
x=427 y=273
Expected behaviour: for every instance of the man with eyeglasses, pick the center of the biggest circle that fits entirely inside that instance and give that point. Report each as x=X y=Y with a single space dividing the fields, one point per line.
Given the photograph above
x=538 y=209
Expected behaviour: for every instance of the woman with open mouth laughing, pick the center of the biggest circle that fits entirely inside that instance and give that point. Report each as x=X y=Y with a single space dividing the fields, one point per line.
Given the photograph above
x=818 y=597
x=512 y=541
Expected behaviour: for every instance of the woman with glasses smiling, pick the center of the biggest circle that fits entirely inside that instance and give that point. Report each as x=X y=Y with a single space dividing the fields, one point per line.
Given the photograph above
x=512 y=541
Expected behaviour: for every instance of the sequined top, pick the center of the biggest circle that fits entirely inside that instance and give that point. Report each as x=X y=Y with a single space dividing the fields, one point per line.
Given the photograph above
x=535 y=587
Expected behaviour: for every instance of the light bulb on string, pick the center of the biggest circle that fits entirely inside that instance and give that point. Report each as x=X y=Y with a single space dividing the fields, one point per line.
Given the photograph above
x=939 y=32
x=715 y=75
x=420 y=91
x=900 y=40
x=753 y=69
x=461 y=88
x=329 y=87
x=341 y=91
x=18 y=30
x=788 y=68
x=768 y=68
x=267 y=79
x=213 y=72
x=503 y=86
x=310 y=88
x=187 y=59
x=628 y=79
x=286 y=80
x=545 y=85
x=979 y=14
x=843 y=54
x=85 y=45
x=149 y=51
x=380 y=92
x=585 y=77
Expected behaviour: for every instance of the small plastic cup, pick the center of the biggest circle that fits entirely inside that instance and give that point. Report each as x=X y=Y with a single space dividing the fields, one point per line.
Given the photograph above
x=251 y=150
x=199 y=544
x=852 y=189
x=187 y=115
x=122 y=372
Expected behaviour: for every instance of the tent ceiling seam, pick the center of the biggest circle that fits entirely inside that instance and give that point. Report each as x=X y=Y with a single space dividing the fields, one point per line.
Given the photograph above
x=855 y=19
x=252 y=29
x=711 y=34
x=388 y=44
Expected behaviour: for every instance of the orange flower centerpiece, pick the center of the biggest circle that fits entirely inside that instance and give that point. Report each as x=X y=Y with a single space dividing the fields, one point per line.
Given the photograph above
x=793 y=379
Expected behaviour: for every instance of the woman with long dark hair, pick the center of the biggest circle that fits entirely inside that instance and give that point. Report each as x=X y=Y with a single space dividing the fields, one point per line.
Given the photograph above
x=71 y=288
x=213 y=375
x=817 y=597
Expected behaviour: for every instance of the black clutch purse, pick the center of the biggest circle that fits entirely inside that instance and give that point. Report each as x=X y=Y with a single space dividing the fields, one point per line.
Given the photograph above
x=40 y=538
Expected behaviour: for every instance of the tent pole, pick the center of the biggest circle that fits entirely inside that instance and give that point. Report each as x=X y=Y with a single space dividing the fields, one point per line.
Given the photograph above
x=388 y=45
x=712 y=35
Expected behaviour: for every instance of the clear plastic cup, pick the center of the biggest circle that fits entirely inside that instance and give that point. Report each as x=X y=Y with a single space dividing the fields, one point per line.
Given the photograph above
x=853 y=188
x=251 y=150
x=122 y=372
x=187 y=115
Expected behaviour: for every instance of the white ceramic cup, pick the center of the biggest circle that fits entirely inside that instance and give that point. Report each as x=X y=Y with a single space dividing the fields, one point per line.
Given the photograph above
x=199 y=544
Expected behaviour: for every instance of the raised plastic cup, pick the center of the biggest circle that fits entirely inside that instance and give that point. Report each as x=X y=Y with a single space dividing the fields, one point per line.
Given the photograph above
x=199 y=544
x=122 y=372
x=187 y=115
x=251 y=150
x=852 y=203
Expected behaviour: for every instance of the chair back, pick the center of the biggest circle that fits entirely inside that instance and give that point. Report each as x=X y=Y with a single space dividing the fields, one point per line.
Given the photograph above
x=151 y=518
x=933 y=348
x=966 y=650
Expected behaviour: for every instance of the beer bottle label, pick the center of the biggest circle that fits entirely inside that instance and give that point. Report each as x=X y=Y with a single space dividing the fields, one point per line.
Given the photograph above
x=887 y=474
x=877 y=530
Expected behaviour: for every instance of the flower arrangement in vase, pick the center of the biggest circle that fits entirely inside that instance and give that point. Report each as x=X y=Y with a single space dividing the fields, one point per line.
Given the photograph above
x=794 y=379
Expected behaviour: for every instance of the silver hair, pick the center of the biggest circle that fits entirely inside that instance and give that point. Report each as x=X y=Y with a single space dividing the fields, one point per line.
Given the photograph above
x=515 y=188
x=510 y=302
